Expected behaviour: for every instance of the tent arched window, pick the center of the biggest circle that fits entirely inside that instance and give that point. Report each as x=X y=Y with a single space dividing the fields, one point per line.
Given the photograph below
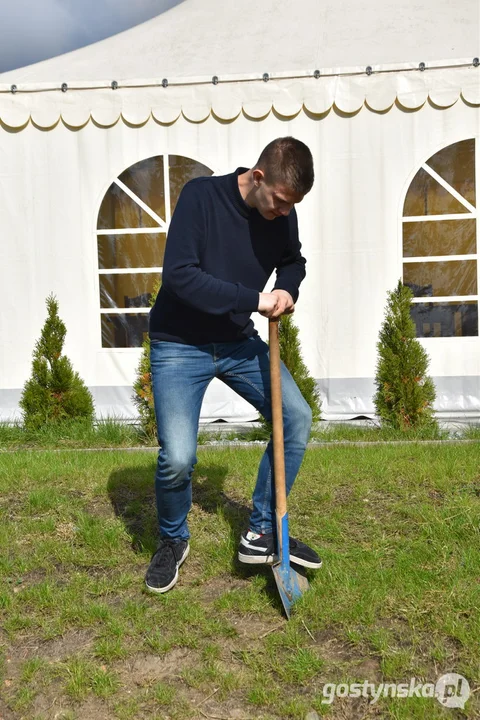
x=132 y=228
x=440 y=249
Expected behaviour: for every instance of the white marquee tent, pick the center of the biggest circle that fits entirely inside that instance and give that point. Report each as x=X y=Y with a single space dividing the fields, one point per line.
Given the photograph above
x=95 y=145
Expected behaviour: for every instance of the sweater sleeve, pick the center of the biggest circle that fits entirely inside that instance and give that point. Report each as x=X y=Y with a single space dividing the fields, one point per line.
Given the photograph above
x=291 y=268
x=182 y=275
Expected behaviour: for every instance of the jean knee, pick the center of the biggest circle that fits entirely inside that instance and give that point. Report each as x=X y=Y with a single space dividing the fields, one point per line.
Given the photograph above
x=298 y=422
x=175 y=468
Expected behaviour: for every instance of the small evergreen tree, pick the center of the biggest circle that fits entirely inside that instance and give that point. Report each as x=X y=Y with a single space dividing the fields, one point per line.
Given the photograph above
x=405 y=394
x=54 y=392
x=142 y=387
x=290 y=354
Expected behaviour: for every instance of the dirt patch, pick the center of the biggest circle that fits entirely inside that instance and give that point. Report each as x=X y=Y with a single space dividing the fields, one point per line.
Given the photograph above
x=66 y=531
x=5 y=712
x=216 y=587
x=437 y=496
x=142 y=670
x=33 y=577
x=56 y=650
x=352 y=709
x=333 y=649
x=343 y=495
x=369 y=669
x=97 y=507
x=210 y=706
x=56 y=708
x=252 y=628
x=61 y=648
x=400 y=630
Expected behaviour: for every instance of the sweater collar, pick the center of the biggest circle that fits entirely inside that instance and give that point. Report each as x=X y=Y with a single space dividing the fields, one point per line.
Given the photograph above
x=237 y=198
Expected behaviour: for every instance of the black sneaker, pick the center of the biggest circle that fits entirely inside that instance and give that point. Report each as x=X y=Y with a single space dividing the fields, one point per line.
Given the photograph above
x=162 y=573
x=255 y=549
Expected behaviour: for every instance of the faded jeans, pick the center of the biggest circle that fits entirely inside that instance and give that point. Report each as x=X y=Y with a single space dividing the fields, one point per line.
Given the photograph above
x=180 y=376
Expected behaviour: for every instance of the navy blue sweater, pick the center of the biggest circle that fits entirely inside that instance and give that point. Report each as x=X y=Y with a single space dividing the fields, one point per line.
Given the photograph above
x=219 y=256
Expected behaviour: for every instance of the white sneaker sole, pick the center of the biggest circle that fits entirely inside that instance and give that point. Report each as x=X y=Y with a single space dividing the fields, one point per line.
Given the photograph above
x=305 y=563
x=270 y=559
x=174 y=581
x=256 y=559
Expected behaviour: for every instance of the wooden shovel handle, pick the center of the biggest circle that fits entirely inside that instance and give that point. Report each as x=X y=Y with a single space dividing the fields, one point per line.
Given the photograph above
x=277 y=419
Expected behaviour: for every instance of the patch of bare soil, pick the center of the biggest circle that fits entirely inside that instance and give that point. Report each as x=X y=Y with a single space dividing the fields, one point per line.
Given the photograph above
x=50 y=704
x=142 y=670
x=5 y=712
x=354 y=709
x=61 y=648
x=337 y=652
x=210 y=706
x=56 y=650
x=251 y=628
x=58 y=707
x=214 y=588
x=99 y=508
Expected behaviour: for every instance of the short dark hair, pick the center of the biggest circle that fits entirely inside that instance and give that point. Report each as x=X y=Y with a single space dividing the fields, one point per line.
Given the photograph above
x=287 y=161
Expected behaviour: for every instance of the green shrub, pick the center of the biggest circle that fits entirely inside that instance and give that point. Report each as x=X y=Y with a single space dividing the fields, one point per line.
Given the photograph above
x=291 y=355
x=55 y=392
x=142 y=387
x=405 y=394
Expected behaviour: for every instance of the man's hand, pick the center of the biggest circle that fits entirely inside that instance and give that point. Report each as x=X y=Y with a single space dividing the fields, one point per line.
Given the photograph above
x=286 y=302
x=276 y=303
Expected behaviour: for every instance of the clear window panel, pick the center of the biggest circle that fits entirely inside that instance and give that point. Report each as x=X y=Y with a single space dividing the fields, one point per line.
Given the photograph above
x=127 y=290
x=119 y=211
x=122 y=331
x=445 y=319
x=457 y=277
x=136 y=251
x=442 y=237
x=145 y=179
x=456 y=165
x=426 y=196
x=181 y=170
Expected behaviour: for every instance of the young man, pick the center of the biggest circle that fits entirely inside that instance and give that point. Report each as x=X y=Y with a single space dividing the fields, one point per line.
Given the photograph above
x=227 y=235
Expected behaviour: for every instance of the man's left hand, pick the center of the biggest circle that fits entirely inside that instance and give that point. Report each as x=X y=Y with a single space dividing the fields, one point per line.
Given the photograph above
x=286 y=306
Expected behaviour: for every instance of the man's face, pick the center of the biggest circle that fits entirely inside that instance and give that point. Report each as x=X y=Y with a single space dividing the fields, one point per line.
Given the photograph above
x=272 y=201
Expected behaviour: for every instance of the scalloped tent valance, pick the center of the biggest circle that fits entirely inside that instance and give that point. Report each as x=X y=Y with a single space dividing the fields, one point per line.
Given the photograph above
x=198 y=98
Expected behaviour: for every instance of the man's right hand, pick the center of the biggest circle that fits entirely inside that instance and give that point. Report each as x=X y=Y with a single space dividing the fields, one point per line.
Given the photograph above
x=269 y=305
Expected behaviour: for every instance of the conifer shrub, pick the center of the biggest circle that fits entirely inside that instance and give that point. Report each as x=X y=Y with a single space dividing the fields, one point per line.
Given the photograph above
x=405 y=393
x=55 y=392
x=142 y=386
x=291 y=355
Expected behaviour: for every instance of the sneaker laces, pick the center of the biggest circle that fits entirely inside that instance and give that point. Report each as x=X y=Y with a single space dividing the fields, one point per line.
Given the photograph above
x=170 y=543
x=167 y=542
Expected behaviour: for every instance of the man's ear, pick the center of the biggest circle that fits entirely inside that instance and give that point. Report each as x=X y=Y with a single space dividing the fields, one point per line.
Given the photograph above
x=258 y=176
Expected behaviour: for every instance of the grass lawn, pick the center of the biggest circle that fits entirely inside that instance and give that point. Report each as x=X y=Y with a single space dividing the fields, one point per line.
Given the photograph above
x=398 y=596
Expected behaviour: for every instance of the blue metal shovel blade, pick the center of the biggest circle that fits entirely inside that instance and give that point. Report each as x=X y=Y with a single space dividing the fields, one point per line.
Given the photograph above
x=290 y=583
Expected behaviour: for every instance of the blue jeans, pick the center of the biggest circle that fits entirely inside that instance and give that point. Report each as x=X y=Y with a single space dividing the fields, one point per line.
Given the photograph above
x=180 y=377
